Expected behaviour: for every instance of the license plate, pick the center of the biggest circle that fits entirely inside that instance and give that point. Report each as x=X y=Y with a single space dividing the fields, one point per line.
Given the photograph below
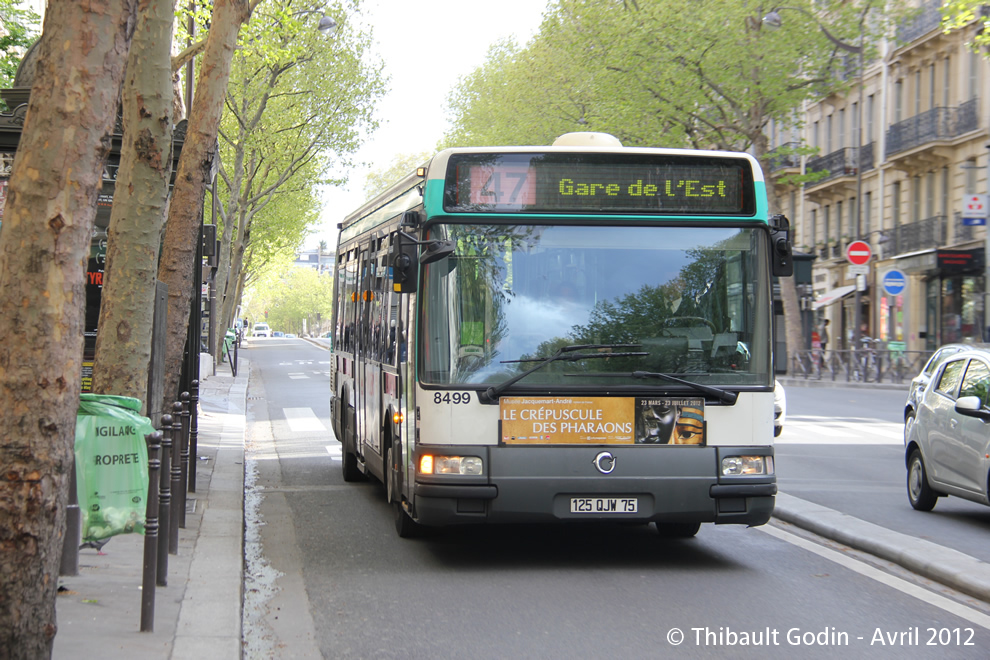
x=604 y=505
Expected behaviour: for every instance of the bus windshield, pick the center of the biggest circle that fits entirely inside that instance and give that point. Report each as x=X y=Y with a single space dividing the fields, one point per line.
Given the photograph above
x=686 y=301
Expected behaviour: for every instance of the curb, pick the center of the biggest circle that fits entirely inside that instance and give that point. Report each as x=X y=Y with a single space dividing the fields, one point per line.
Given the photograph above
x=945 y=565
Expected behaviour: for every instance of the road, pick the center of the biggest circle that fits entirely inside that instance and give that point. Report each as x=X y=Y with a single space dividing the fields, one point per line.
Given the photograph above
x=843 y=448
x=329 y=577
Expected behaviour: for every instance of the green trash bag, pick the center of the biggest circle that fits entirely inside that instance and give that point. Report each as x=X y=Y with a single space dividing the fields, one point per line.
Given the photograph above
x=111 y=465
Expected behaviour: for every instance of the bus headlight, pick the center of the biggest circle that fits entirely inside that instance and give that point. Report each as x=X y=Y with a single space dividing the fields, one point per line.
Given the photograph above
x=734 y=466
x=429 y=464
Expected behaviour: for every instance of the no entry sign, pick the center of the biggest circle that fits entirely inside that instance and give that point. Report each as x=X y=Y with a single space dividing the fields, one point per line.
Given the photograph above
x=858 y=253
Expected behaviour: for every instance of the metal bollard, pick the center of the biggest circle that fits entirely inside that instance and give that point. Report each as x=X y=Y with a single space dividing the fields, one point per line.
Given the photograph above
x=69 y=563
x=193 y=433
x=178 y=496
x=184 y=455
x=151 y=534
x=165 y=502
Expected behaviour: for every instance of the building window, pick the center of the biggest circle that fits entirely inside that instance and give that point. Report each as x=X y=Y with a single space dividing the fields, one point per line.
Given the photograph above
x=931 y=85
x=814 y=226
x=828 y=234
x=838 y=221
x=948 y=83
x=898 y=100
x=930 y=195
x=895 y=204
x=828 y=134
x=945 y=192
x=974 y=75
x=869 y=119
x=867 y=213
x=970 y=169
x=842 y=129
x=917 y=92
x=916 y=199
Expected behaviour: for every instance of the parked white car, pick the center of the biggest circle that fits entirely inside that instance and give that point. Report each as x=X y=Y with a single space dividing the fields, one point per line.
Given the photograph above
x=261 y=330
x=779 y=407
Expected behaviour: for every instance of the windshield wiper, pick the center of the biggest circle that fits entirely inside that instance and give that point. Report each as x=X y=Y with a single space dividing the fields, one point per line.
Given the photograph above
x=566 y=353
x=722 y=395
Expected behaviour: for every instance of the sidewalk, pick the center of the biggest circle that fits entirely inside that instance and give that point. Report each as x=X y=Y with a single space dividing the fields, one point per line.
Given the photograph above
x=198 y=615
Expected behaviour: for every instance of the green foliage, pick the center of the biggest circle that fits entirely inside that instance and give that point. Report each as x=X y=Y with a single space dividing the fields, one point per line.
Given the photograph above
x=958 y=14
x=18 y=30
x=299 y=104
x=377 y=181
x=289 y=296
x=654 y=74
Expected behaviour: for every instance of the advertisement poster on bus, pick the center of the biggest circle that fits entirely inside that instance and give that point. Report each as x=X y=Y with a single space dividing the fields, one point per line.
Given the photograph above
x=602 y=421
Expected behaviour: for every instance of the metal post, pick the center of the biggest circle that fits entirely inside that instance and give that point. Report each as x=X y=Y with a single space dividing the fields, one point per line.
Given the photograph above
x=151 y=534
x=177 y=492
x=184 y=455
x=859 y=185
x=69 y=564
x=164 y=501
x=193 y=433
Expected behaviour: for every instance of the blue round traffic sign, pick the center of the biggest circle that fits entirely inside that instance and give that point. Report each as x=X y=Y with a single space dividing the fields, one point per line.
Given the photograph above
x=894 y=282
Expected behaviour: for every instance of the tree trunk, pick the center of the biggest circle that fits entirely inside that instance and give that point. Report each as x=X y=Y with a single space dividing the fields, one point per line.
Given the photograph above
x=123 y=344
x=182 y=230
x=47 y=228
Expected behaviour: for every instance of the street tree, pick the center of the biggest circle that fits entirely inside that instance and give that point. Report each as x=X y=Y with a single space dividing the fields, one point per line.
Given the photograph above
x=123 y=343
x=378 y=180
x=655 y=75
x=959 y=14
x=182 y=229
x=47 y=226
x=298 y=106
x=18 y=30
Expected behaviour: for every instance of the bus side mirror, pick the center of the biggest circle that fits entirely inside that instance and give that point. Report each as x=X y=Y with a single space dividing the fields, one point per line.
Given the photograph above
x=781 y=259
x=403 y=259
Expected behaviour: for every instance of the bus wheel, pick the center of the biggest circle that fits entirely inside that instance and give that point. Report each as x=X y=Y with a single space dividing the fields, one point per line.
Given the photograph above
x=677 y=530
x=348 y=464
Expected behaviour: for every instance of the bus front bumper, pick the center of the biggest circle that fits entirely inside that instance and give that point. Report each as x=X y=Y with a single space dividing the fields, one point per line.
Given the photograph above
x=547 y=484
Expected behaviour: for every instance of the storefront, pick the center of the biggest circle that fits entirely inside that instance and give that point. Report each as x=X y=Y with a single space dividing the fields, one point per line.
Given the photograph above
x=954 y=298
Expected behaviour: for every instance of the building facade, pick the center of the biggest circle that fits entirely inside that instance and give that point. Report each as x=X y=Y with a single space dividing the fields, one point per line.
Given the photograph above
x=903 y=152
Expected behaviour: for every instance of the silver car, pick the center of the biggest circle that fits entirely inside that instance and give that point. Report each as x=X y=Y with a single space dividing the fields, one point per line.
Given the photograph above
x=920 y=382
x=947 y=442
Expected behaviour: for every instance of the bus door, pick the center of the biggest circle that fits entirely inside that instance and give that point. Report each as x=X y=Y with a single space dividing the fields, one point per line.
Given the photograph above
x=368 y=367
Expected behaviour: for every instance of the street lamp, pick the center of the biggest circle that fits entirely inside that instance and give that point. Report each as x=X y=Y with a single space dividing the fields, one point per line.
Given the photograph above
x=773 y=21
x=326 y=24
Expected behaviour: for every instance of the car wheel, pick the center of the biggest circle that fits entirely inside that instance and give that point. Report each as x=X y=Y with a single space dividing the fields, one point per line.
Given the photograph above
x=677 y=530
x=920 y=494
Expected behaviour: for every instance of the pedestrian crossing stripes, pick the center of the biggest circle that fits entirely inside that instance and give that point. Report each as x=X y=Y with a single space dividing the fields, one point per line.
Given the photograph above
x=811 y=429
x=335 y=452
x=303 y=420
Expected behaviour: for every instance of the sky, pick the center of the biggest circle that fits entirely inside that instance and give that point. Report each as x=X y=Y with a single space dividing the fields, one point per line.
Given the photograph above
x=426 y=45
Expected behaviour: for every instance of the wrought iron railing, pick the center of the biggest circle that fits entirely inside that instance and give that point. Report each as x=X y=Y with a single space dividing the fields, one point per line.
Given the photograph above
x=864 y=365
x=935 y=124
x=786 y=160
x=838 y=163
x=920 y=25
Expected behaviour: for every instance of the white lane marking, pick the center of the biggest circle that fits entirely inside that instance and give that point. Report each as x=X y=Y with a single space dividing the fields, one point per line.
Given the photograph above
x=335 y=452
x=302 y=420
x=947 y=604
x=296 y=375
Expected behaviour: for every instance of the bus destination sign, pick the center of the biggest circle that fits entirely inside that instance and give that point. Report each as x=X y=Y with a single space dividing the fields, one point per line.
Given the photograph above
x=612 y=183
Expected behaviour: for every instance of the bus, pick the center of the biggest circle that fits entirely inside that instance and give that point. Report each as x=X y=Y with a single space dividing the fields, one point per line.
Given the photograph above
x=580 y=332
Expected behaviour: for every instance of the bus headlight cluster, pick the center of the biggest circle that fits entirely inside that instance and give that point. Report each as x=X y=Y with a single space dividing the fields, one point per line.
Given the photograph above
x=734 y=466
x=429 y=464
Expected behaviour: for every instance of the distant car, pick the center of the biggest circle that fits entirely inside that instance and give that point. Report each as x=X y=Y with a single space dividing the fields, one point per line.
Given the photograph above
x=919 y=382
x=947 y=441
x=289 y=335
x=261 y=330
x=779 y=408
x=278 y=333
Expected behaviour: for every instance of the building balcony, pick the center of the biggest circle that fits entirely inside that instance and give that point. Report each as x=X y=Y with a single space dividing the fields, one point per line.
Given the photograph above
x=935 y=232
x=931 y=129
x=783 y=158
x=930 y=18
x=840 y=168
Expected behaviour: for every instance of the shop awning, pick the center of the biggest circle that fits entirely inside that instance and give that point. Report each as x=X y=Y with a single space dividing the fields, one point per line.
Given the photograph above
x=833 y=295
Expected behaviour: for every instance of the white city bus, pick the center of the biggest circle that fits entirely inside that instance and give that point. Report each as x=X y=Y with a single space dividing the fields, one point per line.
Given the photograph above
x=575 y=332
